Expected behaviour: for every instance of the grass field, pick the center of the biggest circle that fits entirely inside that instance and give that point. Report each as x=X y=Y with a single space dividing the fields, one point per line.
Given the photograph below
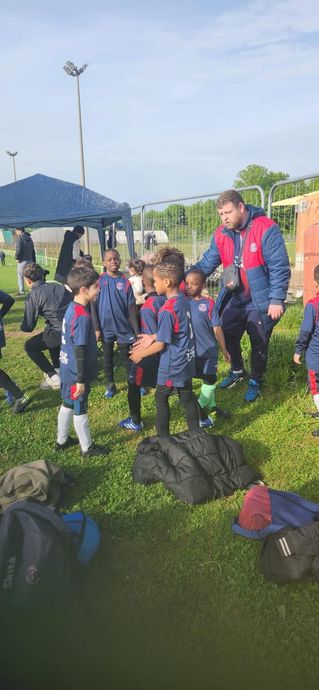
x=172 y=600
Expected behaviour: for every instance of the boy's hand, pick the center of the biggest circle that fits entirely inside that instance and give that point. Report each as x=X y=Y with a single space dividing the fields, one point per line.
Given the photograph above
x=144 y=340
x=227 y=356
x=97 y=335
x=297 y=358
x=136 y=357
x=79 y=390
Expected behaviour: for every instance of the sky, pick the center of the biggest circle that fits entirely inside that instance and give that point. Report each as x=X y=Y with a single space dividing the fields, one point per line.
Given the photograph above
x=177 y=97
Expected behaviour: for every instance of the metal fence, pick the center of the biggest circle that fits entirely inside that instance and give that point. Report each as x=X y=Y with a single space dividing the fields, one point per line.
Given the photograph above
x=186 y=223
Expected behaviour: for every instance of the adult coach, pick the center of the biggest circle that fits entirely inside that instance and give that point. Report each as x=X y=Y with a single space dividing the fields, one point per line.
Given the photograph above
x=252 y=250
x=69 y=253
x=25 y=254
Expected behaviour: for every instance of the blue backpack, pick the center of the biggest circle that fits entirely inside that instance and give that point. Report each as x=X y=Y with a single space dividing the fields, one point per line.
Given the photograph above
x=85 y=535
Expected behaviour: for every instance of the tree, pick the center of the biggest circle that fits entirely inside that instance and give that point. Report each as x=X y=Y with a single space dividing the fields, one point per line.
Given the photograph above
x=258 y=175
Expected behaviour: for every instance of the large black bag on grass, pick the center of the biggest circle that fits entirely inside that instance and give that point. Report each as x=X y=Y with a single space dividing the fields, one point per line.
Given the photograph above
x=35 y=556
x=193 y=465
x=291 y=555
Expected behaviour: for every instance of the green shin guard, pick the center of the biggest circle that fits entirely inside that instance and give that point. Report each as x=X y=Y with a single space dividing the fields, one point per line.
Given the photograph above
x=207 y=396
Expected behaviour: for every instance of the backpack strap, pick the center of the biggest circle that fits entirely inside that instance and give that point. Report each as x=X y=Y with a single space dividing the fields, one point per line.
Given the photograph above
x=43 y=511
x=240 y=253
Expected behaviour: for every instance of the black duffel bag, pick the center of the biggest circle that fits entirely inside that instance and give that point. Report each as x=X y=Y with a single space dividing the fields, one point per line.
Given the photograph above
x=291 y=554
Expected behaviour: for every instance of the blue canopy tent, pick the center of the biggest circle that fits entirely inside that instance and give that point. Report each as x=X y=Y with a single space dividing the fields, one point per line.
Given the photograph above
x=40 y=201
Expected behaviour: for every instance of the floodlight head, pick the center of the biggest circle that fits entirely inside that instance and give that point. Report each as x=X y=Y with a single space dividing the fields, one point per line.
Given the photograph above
x=12 y=154
x=82 y=68
x=71 y=65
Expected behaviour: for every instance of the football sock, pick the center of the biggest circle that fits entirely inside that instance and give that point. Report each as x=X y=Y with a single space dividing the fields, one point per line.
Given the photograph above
x=207 y=396
x=81 y=425
x=64 y=420
x=316 y=400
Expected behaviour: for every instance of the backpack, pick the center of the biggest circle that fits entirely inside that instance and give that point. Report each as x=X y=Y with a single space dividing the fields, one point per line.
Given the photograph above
x=85 y=535
x=35 y=555
x=291 y=554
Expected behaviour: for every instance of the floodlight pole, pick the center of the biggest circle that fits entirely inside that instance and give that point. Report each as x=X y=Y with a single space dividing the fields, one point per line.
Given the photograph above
x=13 y=155
x=74 y=71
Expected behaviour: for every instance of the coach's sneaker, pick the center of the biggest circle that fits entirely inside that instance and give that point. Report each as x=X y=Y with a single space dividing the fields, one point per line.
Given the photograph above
x=232 y=378
x=206 y=423
x=110 y=391
x=20 y=404
x=130 y=425
x=252 y=391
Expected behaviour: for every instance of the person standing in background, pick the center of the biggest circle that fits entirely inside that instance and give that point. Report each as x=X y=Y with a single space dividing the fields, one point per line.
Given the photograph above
x=25 y=254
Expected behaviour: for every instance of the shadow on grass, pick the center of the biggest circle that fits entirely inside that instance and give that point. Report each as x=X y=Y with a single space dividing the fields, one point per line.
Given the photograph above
x=156 y=610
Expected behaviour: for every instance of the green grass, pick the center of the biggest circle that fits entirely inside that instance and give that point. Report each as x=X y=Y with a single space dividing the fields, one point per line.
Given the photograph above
x=173 y=599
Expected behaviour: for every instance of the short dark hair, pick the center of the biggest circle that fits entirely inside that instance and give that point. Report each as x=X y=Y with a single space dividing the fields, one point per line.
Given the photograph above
x=22 y=229
x=138 y=265
x=316 y=274
x=170 y=268
x=81 y=276
x=168 y=252
x=229 y=196
x=107 y=251
x=33 y=272
x=198 y=271
x=79 y=229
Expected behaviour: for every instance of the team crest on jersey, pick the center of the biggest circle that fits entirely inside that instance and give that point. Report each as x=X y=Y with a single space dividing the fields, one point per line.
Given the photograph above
x=253 y=247
x=119 y=286
x=202 y=307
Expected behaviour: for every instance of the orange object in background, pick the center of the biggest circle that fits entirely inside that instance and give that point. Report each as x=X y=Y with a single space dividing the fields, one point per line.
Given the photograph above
x=311 y=259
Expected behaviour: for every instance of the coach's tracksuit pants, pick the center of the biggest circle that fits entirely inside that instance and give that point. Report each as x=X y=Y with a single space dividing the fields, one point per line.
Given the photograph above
x=236 y=320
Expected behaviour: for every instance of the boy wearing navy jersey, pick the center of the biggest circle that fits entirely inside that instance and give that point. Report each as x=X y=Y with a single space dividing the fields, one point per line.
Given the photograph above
x=175 y=344
x=144 y=374
x=208 y=335
x=308 y=343
x=78 y=361
x=114 y=316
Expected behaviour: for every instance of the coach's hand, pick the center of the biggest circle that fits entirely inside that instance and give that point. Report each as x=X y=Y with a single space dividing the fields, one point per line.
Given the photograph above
x=79 y=390
x=97 y=335
x=275 y=311
x=297 y=358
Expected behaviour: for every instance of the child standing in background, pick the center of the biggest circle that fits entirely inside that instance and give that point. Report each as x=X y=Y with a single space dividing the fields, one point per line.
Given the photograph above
x=135 y=269
x=308 y=343
x=114 y=316
x=208 y=335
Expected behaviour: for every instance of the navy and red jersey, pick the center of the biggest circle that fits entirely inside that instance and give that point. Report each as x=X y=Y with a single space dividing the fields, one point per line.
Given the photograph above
x=204 y=318
x=113 y=302
x=308 y=338
x=177 y=360
x=77 y=329
x=149 y=312
x=145 y=373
